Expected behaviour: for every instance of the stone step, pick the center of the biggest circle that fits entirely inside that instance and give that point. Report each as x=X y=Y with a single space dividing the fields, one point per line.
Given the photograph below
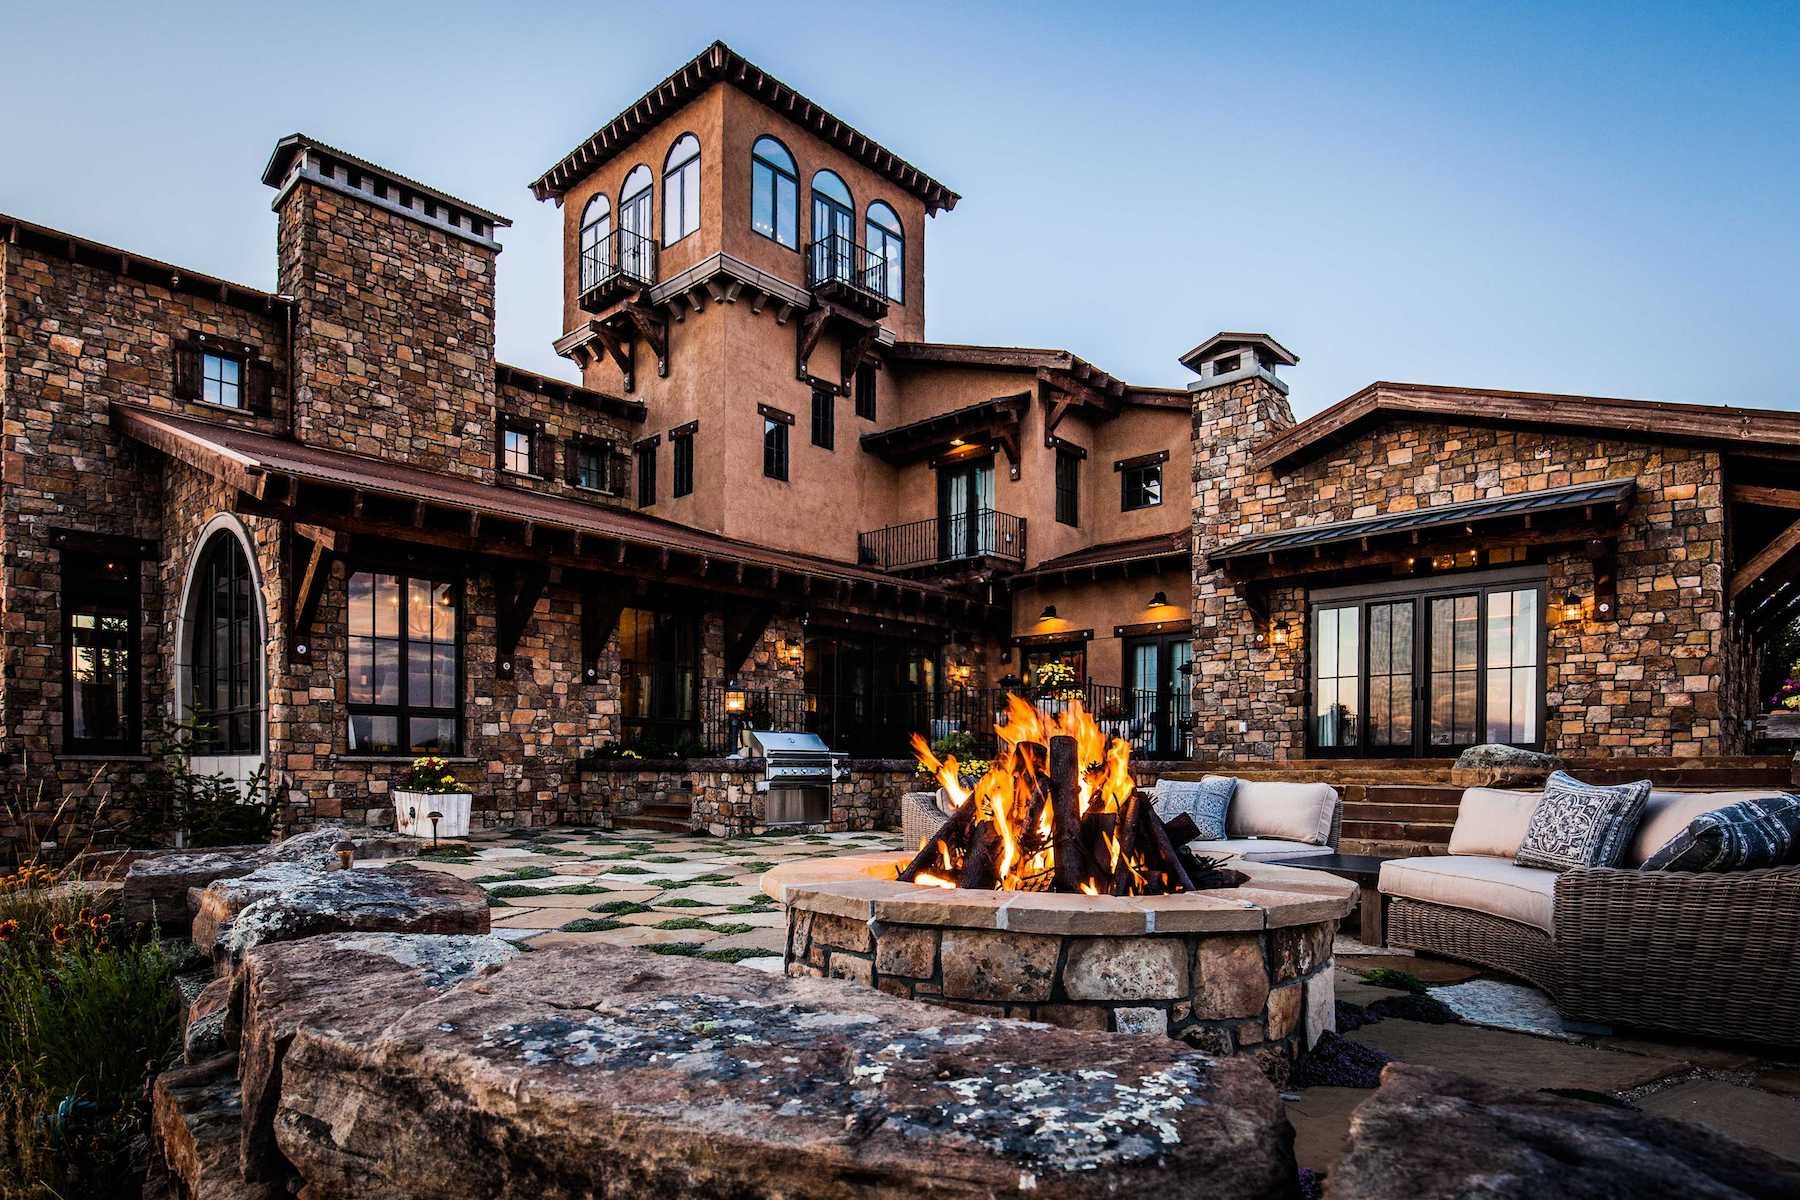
x=1423 y=832
x=1435 y=814
x=684 y=824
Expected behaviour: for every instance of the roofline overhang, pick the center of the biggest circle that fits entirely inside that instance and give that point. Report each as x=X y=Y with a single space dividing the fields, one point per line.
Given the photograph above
x=282 y=158
x=719 y=63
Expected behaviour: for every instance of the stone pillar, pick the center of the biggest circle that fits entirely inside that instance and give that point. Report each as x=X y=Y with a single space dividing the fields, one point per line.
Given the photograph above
x=1247 y=699
x=394 y=323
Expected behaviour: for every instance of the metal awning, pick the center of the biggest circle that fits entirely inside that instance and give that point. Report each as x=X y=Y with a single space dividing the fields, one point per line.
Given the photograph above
x=1610 y=497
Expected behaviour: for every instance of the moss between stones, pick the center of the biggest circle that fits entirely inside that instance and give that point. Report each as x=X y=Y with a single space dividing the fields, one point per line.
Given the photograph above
x=664 y=858
x=1402 y=981
x=681 y=902
x=685 y=949
x=521 y=873
x=592 y=925
x=738 y=954
x=629 y=870
x=724 y=927
x=757 y=867
x=620 y=908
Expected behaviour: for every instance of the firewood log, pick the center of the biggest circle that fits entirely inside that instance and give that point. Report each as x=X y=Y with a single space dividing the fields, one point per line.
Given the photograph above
x=1127 y=836
x=981 y=866
x=1165 y=850
x=1065 y=803
x=1181 y=830
x=951 y=833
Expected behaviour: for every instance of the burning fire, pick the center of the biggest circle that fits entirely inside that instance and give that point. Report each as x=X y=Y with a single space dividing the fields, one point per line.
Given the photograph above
x=1056 y=811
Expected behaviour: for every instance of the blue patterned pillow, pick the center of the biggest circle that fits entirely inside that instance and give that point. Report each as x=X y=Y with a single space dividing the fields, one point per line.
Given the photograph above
x=1738 y=837
x=1205 y=801
x=1580 y=824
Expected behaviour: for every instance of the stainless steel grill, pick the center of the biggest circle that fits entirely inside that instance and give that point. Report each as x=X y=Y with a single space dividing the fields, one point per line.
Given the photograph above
x=798 y=769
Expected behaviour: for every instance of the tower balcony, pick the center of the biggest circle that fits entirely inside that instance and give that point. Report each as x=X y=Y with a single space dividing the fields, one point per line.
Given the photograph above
x=618 y=265
x=839 y=270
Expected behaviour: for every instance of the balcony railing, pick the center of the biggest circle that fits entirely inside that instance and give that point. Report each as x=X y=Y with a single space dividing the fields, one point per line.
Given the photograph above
x=620 y=261
x=880 y=724
x=837 y=261
x=984 y=533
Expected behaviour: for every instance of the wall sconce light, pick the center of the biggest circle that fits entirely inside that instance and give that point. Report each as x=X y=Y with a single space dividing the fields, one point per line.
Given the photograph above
x=1160 y=600
x=1571 y=608
x=960 y=673
x=1049 y=613
x=793 y=653
x=735 y=700
x=1279 y=634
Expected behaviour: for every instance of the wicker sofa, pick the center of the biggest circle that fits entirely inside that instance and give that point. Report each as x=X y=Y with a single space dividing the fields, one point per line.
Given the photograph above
x=1713 y=954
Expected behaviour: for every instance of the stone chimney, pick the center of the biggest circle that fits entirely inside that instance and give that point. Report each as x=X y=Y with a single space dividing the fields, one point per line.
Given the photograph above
x=1244 y=689
x=394 y=315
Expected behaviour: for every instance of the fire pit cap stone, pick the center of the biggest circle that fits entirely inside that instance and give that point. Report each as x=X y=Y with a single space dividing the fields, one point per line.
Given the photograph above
x=862 y=887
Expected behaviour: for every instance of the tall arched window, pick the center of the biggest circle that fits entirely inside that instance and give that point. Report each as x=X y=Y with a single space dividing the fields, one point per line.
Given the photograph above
x=224 y=649
x=637 y=253
x=833 y=229
x=596 y=241
x=681 y=189
x=774 y=193
x=888 y=244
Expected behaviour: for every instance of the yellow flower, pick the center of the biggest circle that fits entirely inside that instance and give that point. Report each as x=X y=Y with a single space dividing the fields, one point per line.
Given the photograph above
x=59 y=933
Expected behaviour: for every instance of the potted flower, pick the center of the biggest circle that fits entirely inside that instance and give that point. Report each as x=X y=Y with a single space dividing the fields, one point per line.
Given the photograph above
x=1056 y=681
x=431 y=790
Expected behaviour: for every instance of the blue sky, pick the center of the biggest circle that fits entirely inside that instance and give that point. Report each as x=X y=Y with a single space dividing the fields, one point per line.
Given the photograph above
x=1582 y=198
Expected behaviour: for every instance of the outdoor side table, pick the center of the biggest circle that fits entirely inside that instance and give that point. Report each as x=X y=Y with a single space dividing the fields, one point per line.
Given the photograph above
x=1362 y=869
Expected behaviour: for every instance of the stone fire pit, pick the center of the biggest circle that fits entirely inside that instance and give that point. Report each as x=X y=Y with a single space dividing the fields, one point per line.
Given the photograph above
x=1244 y=970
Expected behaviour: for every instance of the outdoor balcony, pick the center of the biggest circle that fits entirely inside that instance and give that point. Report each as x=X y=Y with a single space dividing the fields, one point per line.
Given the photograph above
x=839 y=270
x=619 y=265
x=984 y=538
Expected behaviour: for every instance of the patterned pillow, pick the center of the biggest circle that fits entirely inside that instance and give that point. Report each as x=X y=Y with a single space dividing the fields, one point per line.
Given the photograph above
x=1577 y=824
x=1205 y=801
x=1738 y=837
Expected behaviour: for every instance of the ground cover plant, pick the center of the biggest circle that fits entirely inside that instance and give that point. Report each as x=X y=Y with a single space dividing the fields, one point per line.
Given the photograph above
x=85 y=1019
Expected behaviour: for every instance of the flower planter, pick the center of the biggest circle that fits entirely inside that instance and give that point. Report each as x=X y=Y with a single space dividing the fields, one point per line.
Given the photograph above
x=412 y=813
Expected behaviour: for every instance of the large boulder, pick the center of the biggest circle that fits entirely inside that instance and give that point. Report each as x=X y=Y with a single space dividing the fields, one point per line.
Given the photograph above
x=579 y=1071
x=156 y=886
x=1496 y=765
x=195 y=1115
x=346 y=982
x=1434 y=1135
x=283 y=901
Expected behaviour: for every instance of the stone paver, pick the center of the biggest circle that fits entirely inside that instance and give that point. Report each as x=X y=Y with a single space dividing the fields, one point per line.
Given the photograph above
x=1752 y=1117
x=1514 y=1059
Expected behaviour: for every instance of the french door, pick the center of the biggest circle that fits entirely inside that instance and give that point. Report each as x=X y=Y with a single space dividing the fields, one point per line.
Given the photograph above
x=1426 y=671
x=966 y=510
x=636 y=250
x=1157 y=696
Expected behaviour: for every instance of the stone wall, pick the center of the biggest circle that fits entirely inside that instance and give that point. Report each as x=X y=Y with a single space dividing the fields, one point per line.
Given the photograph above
x=393 y=334
x=1649 y=683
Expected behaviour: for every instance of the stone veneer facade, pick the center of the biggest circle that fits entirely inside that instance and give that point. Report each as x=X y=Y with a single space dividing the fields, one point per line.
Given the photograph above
x=1653 y=682
x=724 y=798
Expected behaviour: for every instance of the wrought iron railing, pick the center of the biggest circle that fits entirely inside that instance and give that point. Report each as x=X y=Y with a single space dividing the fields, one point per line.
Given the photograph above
x=881 y=724
x=838 y=259
x=986 y=532
x=619 y=257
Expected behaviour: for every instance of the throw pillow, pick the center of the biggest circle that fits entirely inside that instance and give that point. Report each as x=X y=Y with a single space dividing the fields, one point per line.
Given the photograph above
x=1764 y=832
x=1205 y=801
x=1577 y=824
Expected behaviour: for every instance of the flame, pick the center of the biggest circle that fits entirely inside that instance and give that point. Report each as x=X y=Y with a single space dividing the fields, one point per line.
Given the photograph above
x=1013 y=806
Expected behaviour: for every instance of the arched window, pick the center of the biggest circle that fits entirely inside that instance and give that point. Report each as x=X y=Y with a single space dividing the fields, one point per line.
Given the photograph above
x=774 y=193
x=888 y=245
x=637 y=252
x=833 y=229
x=224 y=649
x=681 y=189
x=596 y=241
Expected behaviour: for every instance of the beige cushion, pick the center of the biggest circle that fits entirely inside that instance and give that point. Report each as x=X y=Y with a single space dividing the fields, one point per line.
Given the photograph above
x=1295 y=812
x=1251 y=846
x=1668 y=813
x=1478 y=883
x=1492 y=821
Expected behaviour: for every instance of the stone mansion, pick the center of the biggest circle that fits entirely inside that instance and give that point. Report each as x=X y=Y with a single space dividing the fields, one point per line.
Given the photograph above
x=325 y=519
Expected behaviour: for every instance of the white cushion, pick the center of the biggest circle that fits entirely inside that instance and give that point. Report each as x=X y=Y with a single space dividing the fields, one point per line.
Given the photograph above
x=1668 y=813
x=1295 y=812
x=1492 y=821
x=1248 y=845
x=1478 y=883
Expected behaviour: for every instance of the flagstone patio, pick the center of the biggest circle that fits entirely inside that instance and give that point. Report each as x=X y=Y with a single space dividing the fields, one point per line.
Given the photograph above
x=698 y=896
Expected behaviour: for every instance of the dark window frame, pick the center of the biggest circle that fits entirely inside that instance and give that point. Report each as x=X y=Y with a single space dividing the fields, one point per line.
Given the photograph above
x=1420 y=592
x=509 y=430
x=223 y=728
x=678 y=175
x=824 y=418
x=777 y=173
x=239 y=386
x=775 y=442
x=1068 y=487
x=580 y=450
x=864 y=387
x=405 y=710
x=102 y=585
x=1132 y=489
x=893 y=269
x=645 y=454
x=681 y=450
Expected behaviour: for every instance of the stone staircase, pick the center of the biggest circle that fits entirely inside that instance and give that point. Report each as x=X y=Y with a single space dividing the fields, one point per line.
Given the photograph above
x=673 y=813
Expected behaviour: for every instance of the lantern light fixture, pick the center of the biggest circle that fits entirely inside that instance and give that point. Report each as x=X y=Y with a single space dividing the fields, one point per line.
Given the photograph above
x=1571 y=607
x=1159 y=600
x=1279 y=635
x=1049 y=613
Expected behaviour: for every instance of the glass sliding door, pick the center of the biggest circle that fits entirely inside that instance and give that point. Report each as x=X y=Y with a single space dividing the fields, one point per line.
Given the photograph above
x=1412 y=669
x=966 y=510
x=1156 y=698
x=1336 y=676
x=1455 y=641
